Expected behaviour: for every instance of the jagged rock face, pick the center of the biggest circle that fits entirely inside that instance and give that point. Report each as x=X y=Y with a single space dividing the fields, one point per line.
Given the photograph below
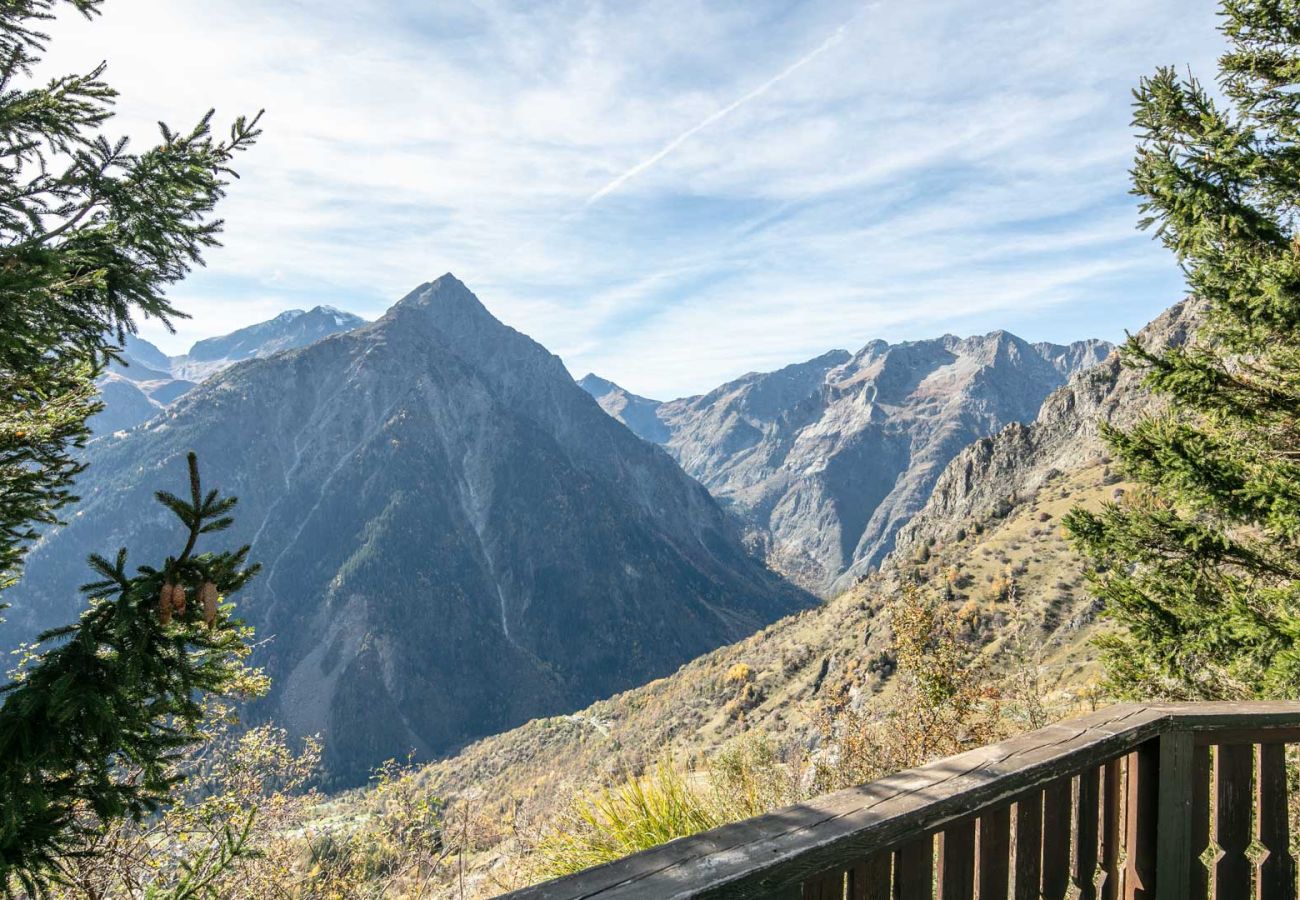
x=1065 y=436
x=455 y=537
x=827 y=459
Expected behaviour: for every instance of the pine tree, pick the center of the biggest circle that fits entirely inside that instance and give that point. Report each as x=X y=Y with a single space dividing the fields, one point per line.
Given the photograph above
x=90 y=236
x=123 y=690
x=1200 y=566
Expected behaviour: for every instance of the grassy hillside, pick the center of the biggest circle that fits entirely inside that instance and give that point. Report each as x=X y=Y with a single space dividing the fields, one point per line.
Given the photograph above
x=1012 y=580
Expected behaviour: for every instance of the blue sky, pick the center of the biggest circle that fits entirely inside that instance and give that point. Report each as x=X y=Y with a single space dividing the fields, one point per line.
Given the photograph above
x=671 y=193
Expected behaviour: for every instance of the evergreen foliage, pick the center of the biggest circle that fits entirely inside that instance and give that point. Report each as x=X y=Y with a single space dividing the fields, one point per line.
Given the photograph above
x=90 y=235
x=1201 y=565
x=122 y=691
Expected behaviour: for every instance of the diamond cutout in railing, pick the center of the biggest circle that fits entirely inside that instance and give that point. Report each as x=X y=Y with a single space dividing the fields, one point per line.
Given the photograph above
x=1256 y=852
x=1211 y=855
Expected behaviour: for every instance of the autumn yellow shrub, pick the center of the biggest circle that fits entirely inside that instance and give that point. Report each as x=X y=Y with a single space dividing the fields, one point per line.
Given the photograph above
x=738 y=674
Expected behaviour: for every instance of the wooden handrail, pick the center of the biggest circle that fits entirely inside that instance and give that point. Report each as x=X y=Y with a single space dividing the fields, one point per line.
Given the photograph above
x=1059 y=786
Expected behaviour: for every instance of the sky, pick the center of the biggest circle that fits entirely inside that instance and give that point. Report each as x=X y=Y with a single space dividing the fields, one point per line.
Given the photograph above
x=669 y=193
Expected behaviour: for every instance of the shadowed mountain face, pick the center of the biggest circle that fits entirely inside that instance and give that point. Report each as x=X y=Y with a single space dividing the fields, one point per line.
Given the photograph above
x=827 y=459
x=135 y=389
x=455 y=537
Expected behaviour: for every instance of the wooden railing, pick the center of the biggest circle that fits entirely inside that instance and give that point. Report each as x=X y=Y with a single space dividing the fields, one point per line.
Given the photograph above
x=1130 y=802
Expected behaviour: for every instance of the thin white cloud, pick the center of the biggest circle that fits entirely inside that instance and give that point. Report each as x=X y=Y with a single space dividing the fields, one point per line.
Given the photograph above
x=937 y=164
x=656 y=157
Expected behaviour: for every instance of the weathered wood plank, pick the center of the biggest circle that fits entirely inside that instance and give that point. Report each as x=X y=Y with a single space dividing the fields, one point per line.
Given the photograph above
x=995 y=854
x=1029 y=847
x=1112 y=802
x=1224 y=715
x=1086 y=830
x=1142 y=772
x=914 y=870
x=872 y=880
x=1234 y=765
x=957 y=862
x=1056 y=840
x=1275 y=875
x=758 y=856
x=1174 y=816
x=1252 y=736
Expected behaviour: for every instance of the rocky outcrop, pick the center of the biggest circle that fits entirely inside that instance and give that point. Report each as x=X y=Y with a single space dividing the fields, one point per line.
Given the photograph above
x=991 y=474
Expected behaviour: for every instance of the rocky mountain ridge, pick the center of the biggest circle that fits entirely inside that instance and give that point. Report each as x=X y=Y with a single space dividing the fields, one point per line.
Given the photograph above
x=991 y=474
x=827 y=459
x=289 y=330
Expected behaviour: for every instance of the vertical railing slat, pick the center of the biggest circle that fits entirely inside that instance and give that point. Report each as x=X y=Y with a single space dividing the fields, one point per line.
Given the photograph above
x=1199 y=876
x=1232 y=832
x=914 y=870
x=824 y=887
x=957 y=862
x=1029 y=847
x=1275 y=875
x=1086 y=824
x=1174 y=816
x=871 y=880
x=1056 y=840
x=995 y=854
x=1142 y=772
x=1111 y=822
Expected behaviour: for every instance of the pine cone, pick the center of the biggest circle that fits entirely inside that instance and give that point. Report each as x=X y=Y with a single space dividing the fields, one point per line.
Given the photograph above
x=208 y=597
x=178 y=598
x=165 y=605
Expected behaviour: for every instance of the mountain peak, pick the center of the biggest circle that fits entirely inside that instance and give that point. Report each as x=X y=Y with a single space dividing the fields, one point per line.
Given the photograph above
x=446 y=289
x=447 y=302
x=596 y=386
x=522 y=553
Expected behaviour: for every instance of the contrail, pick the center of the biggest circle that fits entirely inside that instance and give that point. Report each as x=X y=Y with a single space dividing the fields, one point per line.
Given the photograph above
x=722 y=113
